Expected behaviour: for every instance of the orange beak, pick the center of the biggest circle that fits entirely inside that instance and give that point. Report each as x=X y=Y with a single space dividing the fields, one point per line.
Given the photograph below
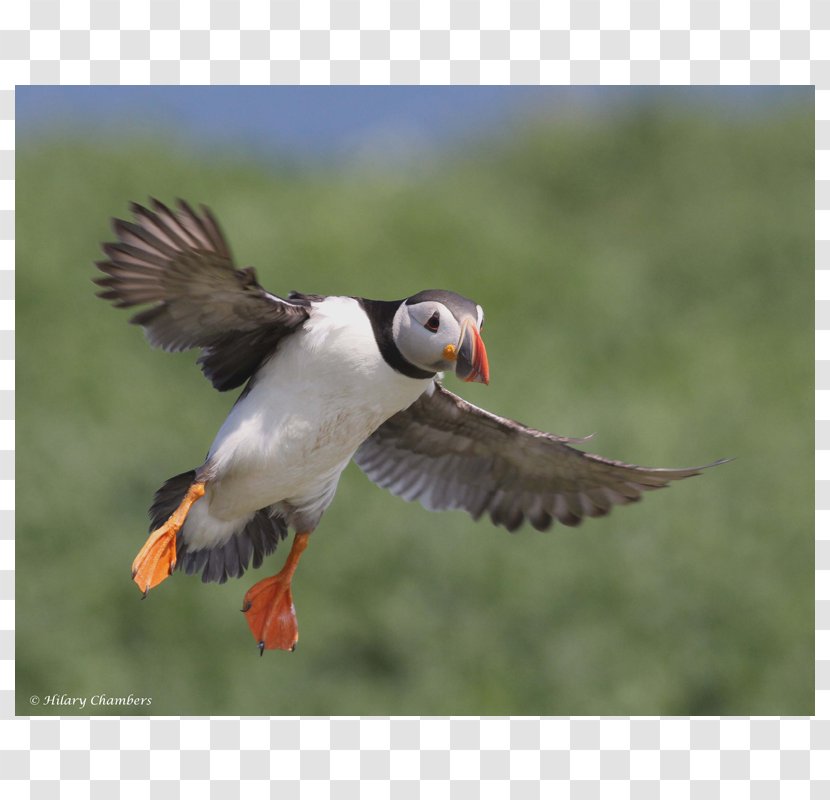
x=471 y=362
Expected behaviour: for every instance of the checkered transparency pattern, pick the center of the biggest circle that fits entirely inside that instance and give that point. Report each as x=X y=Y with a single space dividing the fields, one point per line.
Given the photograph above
x=404 y=41
x=6 y=398
x=408 y=42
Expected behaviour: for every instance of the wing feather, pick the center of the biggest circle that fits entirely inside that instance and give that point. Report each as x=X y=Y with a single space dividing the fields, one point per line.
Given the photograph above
x=179 y=263
x=449 y=454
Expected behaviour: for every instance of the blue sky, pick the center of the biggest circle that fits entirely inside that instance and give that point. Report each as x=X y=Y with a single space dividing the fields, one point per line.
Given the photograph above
x=341 y=122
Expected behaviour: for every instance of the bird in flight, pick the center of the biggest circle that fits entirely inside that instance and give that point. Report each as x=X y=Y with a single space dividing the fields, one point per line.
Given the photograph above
x=327 y=380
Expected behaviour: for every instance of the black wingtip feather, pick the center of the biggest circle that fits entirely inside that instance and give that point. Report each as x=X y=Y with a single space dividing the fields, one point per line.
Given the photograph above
x=542 y=522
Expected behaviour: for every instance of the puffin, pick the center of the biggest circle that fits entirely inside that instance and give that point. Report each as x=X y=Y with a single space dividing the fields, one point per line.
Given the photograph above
x=327 y=380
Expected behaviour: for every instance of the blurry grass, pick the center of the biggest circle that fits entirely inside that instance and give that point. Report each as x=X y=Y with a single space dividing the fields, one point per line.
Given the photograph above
x=645 y=276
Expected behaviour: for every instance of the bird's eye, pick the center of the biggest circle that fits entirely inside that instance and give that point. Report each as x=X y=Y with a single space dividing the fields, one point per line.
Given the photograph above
x=433 y=322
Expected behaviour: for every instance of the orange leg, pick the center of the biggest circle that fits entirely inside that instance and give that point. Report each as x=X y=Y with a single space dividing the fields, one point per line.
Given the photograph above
x=155 y=561
x=268 y=606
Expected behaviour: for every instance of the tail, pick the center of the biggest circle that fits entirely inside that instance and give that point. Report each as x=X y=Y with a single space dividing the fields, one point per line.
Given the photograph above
x=258 y=538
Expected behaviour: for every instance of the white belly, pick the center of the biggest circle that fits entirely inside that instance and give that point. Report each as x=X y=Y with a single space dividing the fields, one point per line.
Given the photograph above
x=324 y=392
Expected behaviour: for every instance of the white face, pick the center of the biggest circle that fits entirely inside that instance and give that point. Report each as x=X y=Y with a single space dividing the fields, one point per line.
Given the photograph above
x=423 y=330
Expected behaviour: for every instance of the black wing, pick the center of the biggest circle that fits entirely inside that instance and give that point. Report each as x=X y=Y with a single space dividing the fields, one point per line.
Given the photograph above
x=447 y=453
x=179 y=262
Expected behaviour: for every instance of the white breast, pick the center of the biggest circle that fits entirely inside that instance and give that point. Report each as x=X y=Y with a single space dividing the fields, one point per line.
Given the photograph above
x=311 y=406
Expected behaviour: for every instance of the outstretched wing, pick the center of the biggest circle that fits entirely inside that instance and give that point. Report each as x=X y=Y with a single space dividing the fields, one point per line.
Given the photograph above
x=179 y=262
x=447 y=453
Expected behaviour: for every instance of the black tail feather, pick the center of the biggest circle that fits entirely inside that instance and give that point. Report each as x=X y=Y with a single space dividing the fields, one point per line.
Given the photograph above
x=168 y=497
x=256 y=540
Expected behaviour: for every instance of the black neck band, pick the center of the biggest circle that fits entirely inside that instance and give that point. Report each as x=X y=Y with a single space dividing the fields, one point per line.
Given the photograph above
x=381 y=313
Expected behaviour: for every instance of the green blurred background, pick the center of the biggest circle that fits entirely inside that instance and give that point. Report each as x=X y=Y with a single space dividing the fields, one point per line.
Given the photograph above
x=646 y=271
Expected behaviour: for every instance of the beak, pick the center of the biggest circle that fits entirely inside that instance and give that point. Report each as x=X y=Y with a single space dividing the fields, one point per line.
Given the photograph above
x=471 y=361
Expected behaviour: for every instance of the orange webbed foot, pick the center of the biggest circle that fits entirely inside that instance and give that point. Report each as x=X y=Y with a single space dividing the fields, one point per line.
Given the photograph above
x=157 y=558
x=269 y=608
x=269 y=611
